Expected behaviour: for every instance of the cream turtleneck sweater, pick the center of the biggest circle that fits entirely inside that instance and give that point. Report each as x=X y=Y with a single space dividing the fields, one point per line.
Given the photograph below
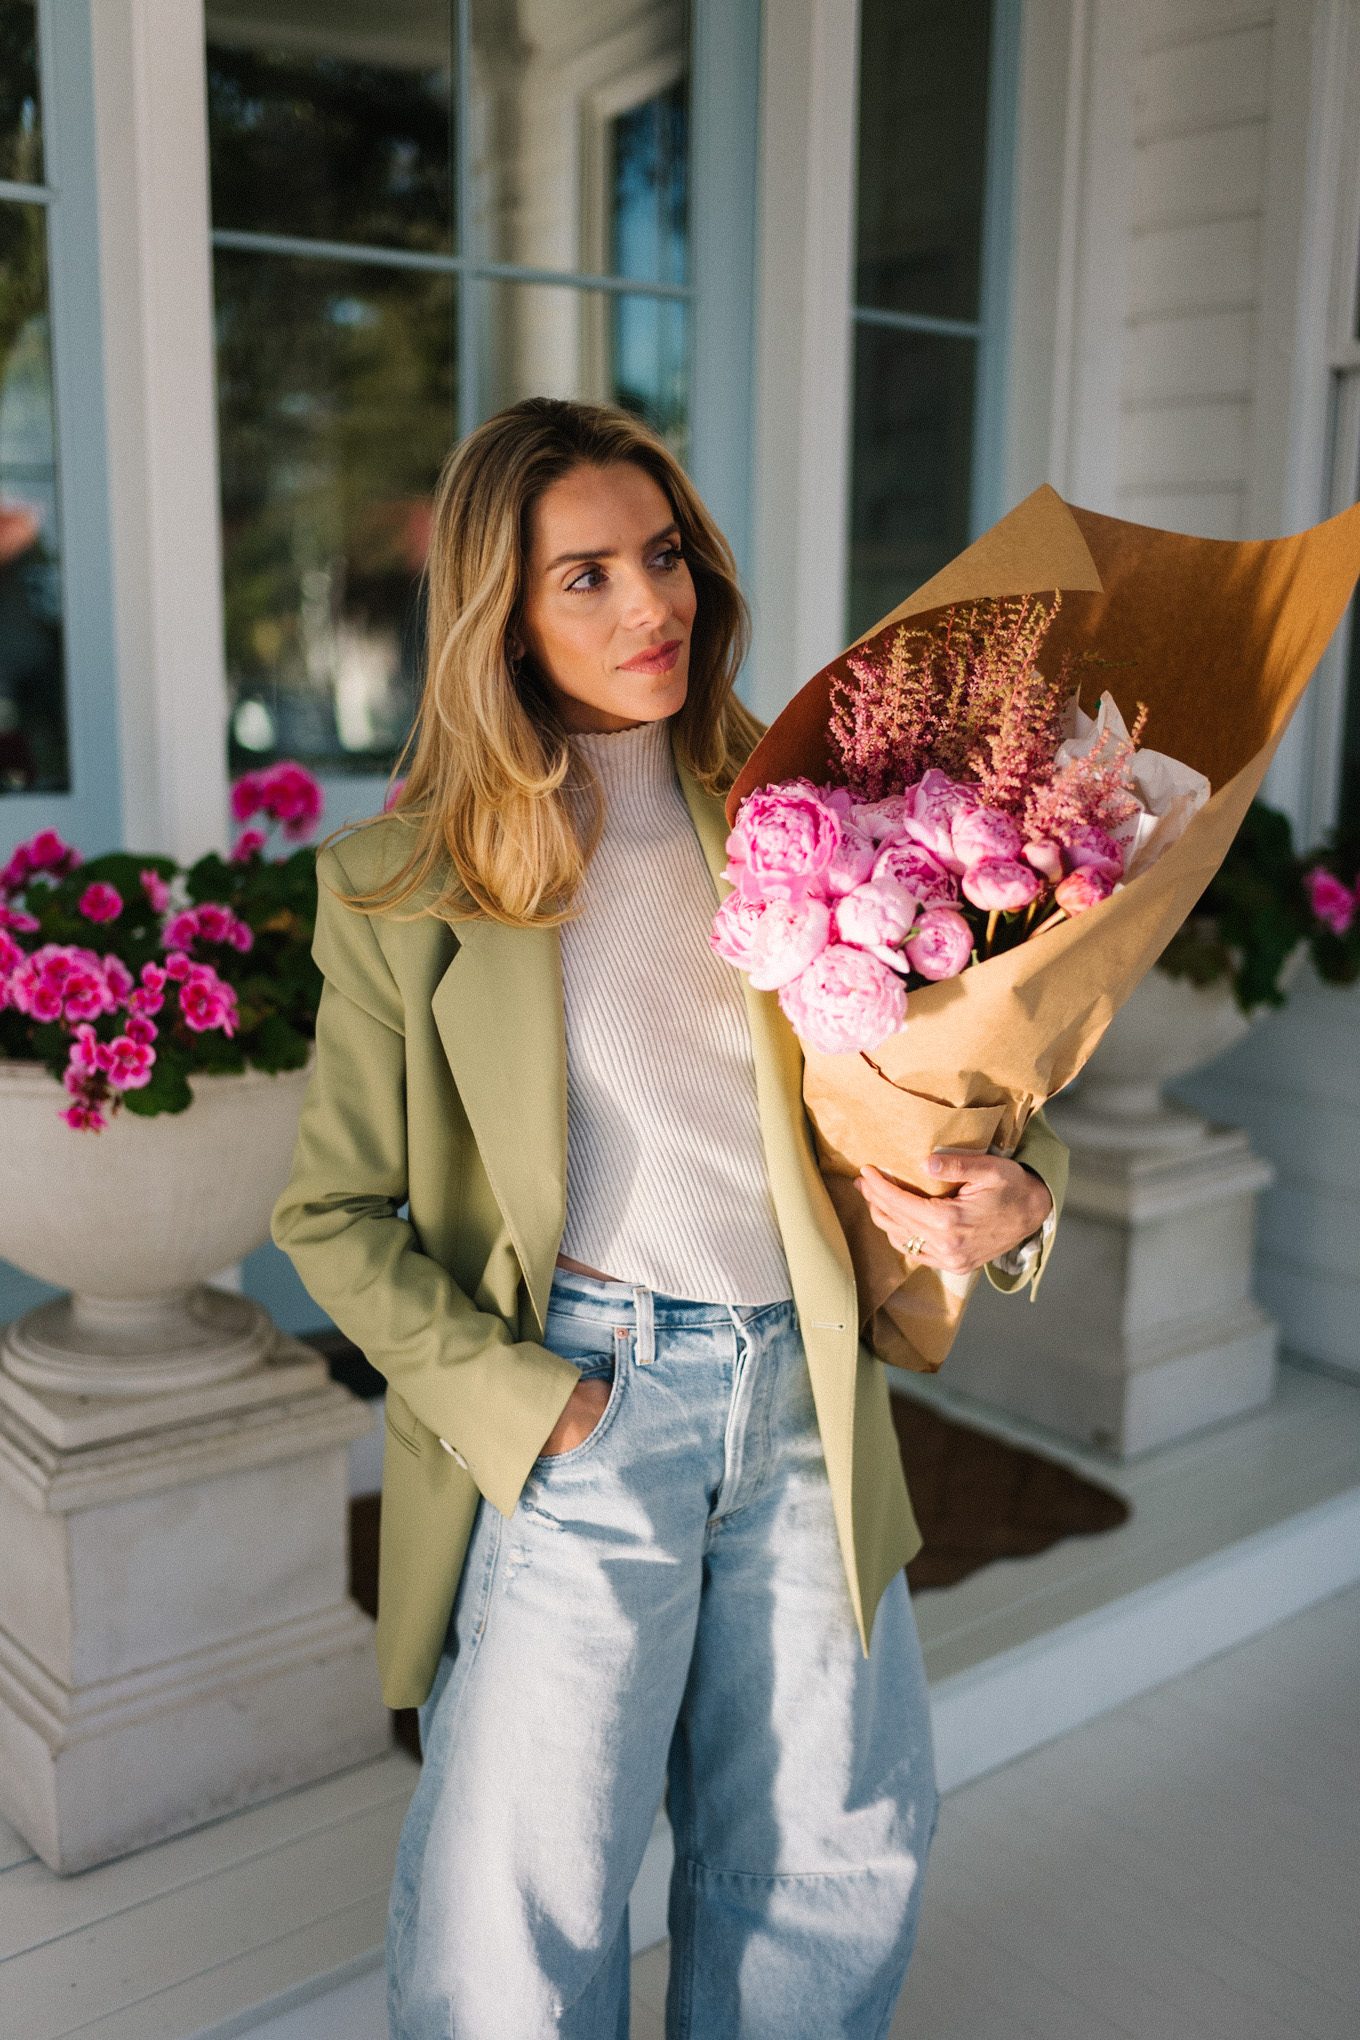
x=666 y=1176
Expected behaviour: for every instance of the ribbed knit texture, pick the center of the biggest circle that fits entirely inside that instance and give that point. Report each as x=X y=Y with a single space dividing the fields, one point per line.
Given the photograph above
x=667 y=1183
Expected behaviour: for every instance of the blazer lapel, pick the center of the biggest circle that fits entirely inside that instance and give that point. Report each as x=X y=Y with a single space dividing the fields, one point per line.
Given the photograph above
x=814 y=1242
x=499 y=1011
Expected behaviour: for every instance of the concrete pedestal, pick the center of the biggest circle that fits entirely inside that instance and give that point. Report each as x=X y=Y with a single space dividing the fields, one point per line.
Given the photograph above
x=177 y=1639
x=1144 y=1328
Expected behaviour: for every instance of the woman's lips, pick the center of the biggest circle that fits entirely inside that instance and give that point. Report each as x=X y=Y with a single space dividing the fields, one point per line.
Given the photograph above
x=658 y=660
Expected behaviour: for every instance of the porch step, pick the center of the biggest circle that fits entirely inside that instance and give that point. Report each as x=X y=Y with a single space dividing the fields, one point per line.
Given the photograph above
x=269 y=1923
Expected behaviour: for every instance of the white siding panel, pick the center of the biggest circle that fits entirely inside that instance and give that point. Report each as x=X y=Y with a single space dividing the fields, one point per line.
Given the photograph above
x=1207 y=513
x=1192 y=86
x=1213 y=267
x=1165 y=23
x=1208 y=355
x=1218 y=175
x=1185 y=446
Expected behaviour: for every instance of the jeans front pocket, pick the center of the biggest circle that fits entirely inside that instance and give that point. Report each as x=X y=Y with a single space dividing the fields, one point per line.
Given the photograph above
x=599 y=1348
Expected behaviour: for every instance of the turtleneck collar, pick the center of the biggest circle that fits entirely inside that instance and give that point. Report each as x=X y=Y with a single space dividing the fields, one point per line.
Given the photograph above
x=634 y=759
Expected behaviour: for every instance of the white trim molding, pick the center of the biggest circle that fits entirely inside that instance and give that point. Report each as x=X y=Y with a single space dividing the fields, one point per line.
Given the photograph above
x=808 y=125
x=160 y=377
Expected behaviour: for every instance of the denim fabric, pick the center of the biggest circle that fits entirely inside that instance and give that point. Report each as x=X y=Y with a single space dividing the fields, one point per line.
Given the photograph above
x=666 y=1613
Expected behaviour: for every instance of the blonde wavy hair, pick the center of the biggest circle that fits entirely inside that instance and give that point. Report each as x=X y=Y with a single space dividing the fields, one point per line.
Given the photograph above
x=491 y=832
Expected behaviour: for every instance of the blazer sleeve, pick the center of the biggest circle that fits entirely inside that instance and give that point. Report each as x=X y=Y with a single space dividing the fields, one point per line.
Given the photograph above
x=493 y=1397
x=1041 y=1150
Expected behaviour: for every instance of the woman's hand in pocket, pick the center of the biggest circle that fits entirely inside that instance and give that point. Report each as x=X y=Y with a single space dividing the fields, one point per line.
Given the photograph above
x=581 y=1415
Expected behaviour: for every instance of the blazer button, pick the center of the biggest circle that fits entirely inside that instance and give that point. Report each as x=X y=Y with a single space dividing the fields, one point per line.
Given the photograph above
x=453 y=1451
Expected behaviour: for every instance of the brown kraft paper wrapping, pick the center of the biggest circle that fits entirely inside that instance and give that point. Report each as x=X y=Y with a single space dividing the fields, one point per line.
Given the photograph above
x=1219 y=638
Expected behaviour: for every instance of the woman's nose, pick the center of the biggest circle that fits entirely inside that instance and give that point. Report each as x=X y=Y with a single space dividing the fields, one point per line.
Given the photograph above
x=643 y=602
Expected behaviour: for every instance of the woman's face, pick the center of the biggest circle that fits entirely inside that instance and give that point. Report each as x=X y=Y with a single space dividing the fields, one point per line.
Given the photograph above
x=606 y=585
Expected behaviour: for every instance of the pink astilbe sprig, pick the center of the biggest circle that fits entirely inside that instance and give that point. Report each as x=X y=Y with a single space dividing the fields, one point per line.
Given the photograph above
x=965 y=695
x=1093 y=792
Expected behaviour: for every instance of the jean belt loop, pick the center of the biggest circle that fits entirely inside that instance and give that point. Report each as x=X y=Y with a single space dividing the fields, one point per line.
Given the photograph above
x=646 y=1325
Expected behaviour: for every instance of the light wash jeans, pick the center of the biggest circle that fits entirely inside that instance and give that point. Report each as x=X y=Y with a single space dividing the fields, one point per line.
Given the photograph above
x=666 y=1611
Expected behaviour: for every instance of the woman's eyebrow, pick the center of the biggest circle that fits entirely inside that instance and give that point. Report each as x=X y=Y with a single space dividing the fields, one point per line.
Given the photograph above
x=605 y=553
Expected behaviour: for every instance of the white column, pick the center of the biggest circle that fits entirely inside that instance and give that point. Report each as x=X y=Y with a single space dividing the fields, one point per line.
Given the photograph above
x=808 y=120
x=156 y=288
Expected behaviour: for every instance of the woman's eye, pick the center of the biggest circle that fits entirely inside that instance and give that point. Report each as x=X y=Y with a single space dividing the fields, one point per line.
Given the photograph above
x=671 y=555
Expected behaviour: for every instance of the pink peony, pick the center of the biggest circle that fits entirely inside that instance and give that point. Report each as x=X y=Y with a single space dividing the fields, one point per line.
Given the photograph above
x=1093 y=849
x=983 y=832
x=248 y=844
x=924 y=877
x=941 y=944
x=883 y=819
x=782 y=844
x=1083 y=889
x=733 y=926
x=1001 y=884
x=845 y=1002
x=852 y=860
x=935 y=803
x=875 y=917
x=156 y=890
x=1046 y=858
x=788 y=935
x=1333 y=902
x=100 y=902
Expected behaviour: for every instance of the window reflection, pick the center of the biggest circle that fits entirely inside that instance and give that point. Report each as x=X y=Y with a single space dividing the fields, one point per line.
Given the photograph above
x=607 y=347
x=337 y=405
x=33 y=743
x=922 y=155
x=345 y=378
x=910 y=464
x=332 y=135
x=20 y=126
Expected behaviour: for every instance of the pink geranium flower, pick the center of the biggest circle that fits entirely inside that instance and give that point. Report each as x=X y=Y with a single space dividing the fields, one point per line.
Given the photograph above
x=44 y=852
x=941 y=944
x=875 y=917
x=156 y=890
x=248 y=844
x=292 y=796
x=782 y=844
x=62 y=982
x=1001 y=885
x=128 y=1064
x=18 y=920
x=845 y=1002
x=205 y=1002
x=788 y=935
x=1333 y=902
x=85 y=1117
x=100 y=902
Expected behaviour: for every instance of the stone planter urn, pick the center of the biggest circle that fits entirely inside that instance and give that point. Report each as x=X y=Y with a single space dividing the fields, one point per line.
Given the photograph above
x=1145 y=1329
x=133 y=1221
x=177 y=1637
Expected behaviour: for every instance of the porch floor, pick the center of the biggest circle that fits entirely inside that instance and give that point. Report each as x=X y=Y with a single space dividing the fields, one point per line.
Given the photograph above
x=1149 y=1743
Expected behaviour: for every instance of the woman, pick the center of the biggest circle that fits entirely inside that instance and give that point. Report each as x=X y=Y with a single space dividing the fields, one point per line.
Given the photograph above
x=644 y=1519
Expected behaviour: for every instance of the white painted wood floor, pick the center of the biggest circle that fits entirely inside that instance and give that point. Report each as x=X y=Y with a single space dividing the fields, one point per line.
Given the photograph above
x=1186 y=1867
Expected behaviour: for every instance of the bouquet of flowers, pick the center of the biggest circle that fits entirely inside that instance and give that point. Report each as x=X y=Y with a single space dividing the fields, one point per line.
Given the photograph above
x=974 y=806
x=950 y=864
x=126 y=975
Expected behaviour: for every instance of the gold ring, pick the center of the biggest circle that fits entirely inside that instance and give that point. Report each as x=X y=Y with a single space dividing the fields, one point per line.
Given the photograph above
x=914 y=1245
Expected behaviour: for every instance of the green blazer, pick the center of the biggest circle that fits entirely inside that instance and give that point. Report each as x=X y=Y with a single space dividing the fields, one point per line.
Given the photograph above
x=440 y=1086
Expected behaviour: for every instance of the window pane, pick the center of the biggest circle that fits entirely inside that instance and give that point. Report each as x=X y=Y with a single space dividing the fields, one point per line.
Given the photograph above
x=922 y=155
x=337 y=406
x=583 y=140
x=911 y=464
x=20 y=132
x=33 y=753
x=606 y=347
x=334 y=131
